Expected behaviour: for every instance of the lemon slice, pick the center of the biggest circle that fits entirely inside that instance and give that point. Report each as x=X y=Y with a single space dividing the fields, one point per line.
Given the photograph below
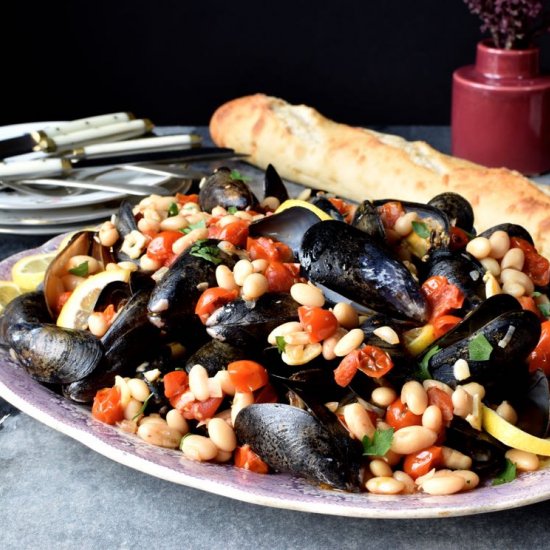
x=511 y=436
x=418 y=339
x=8 y=291
x=27 y=273
x=291 y=203
x=81 y=302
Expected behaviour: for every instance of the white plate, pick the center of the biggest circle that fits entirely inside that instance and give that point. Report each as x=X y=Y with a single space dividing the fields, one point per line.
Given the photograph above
x=49 y=217
x=14 y=201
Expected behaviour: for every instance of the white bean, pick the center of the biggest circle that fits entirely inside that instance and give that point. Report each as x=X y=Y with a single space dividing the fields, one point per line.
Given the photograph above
x=198 y=382
x=198 y=447
x=349 y=342
x=379 y=468
x=385 y=486
x=222 y=434
x=346 y=315
x=432 y=418
x=455 y=460
x=513 y=259
x=500 y=244
x=414 y=396
x=524 y=461
x=383 y=396
x=241 y=270
x=358 y=421
x=132 y=408
x=159 y=434
x=444 y=484
x=412 y=439
x=491 y=265
x=479 y=247
x=175 y=420
x=138 y=389
x=471 y=479
x=506 y=411
x=307 y=295
x=283 y=330
x=240 y=401
x=225 y=381
x=254 y=286
x=407 y=481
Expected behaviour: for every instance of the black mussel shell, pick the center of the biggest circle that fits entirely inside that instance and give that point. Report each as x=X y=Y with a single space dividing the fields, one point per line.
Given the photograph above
x=273 y=185
x=243 y=324
x=346 y=260
x=223 y=188
x=457 y=209
x=53 y=354
x=533 y=405
x=513 y=230
x=292 y=440
x=367 y=219
x=322 y=202
x=216 y=355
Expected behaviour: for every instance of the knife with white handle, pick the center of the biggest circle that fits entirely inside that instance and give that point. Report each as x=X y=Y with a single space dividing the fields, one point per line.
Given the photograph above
x=30 y=168
x=41 y=140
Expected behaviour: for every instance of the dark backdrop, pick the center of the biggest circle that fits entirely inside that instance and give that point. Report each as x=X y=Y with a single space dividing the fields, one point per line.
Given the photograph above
x=362 y=62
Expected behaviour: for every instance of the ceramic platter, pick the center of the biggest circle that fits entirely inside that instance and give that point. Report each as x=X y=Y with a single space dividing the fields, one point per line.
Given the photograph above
x=277 y=490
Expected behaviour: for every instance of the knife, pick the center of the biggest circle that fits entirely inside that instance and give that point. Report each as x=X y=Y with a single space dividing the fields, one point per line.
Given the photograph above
x=64 y=166
x=80 y=134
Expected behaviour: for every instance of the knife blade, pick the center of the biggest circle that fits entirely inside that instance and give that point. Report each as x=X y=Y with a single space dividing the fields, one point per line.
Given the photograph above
x=42 y=141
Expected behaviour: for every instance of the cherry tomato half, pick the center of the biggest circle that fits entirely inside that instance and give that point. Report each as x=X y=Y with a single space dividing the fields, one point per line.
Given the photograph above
x=160 y=248
x=211 y=299
x=440 y=398
x=268 y=249
x=399 y=416
x=107 y=407
x=281 y=276
x=247 y=375
x=200 y=410
x=420 y=463
x=442 y=295
x=540 y=356
x=390 y=212
x=236 y=233
x=319 y=323
x=444 y=324
x=535 y=265
x=175 y=383
x=247 y=459
x=371 y=360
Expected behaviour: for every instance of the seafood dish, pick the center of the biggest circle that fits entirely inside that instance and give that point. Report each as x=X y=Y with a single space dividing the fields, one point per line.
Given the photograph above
x=376 y=347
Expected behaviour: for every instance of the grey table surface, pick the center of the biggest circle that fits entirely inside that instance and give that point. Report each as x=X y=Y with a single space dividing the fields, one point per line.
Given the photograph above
x=57 y=493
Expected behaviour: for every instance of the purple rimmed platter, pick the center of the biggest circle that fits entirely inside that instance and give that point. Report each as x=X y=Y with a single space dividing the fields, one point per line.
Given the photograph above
x=277 y=490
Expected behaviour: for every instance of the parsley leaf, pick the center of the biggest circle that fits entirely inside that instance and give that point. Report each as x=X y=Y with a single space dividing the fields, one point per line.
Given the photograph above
x=208 y=253
x=423 y=371
x=281 y=344
x=80 y=270
x=173 y=209
x=380 y=443
x=201 y=224
x=421 y=229
x=143 y=407
x=536 y=294
x=232 y=210
x=236 y=175
x=544 y=309
x=509 y=474
x=479 y=348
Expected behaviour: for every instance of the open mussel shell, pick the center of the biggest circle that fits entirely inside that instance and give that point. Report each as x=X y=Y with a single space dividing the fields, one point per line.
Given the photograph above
x=248 y=324
x=292 y=440
x=347 y=261
x=125 y=223
x=511 y=334
x=457 y=209
x=367 y=219
x=513 y=230
x=223 y=188
x=287 y=226
x=274 y=185
x=29 y=307
x=53 y=354
x=215 y=356
x=82 y=243
x=321 y=201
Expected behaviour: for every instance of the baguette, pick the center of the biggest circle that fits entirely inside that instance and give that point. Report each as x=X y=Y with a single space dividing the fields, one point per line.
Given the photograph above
x=358 y=164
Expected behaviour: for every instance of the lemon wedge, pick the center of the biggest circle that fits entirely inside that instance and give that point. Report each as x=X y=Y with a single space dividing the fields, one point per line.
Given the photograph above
x=291 y=203
x=8 y=291
x=77 y=309
x=512 y=436
x=28 y=272
x=418 y=339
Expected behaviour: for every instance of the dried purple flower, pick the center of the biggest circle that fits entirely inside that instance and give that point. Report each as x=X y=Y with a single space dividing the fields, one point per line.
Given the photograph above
x=511 y=23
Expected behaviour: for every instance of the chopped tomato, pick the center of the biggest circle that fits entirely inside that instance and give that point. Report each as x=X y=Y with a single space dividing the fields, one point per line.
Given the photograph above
x=442 y=296
x=343 y=207
x=268 y=249
x=390 y=212
x=444 y=324
x=211 y=299
x=528 y=303
x=107 y=407
x=235 y=232
x=175 y=382
x=319 y=323
x=371 y=360
x=458 y=239
x=281 y=276
x=247 y=375
x=160 y=247
x=184 y=199
x=199 y=410
x=441 y=399
x=420 y=463
x=247 y=459
x=535 y=265
x=61 y=300
x=540 y=356
x=399 y=416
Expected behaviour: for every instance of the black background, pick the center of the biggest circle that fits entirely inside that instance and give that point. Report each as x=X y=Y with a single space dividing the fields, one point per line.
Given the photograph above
x=363 y=62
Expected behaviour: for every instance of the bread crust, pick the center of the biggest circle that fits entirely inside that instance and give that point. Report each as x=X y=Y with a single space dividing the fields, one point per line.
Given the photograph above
x=359 y=164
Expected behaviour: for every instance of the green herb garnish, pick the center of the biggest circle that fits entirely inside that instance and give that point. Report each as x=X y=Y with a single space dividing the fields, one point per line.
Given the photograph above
x=208 y=253
x=173 y=209
x=479 y=349
x=281 y=344
x=236 y=175
x=509 y=474
x=143 y=407
x=81 y=270
x=201 y=224
x=544 y=309
x=423 y=371
x=232 y=210
x=536 y=294
x=421 y=229
x=380 y=443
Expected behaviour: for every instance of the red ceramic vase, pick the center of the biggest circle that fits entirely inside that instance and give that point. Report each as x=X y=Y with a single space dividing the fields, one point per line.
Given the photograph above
x=501 y=110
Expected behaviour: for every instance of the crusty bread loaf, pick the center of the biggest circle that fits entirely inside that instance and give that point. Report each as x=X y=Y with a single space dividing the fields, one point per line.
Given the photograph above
x=356 y=163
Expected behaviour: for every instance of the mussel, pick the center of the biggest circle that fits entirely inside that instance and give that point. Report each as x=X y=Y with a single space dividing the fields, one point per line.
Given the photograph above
x=457 y=209
x=348 y=261
x=225 y=188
